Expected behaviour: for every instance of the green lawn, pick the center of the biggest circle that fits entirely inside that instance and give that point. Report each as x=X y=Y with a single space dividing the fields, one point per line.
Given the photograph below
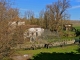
x=55 y=53
x=64 y=49
x=77 y=27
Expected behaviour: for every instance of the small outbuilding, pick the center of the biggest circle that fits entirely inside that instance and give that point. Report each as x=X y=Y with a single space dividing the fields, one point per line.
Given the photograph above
x=67 y=27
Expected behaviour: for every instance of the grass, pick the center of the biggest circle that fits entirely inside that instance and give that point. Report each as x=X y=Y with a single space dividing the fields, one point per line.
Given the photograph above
x=60 y=39
x=71 y=48
x=66 y=49
x=77 y=27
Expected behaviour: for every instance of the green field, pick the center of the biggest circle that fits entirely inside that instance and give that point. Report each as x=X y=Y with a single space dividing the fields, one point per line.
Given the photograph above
x=63 y=49
x=77 y=27
x=56 y=53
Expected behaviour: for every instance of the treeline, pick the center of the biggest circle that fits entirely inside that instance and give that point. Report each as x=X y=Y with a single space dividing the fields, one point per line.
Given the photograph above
x=53 y=17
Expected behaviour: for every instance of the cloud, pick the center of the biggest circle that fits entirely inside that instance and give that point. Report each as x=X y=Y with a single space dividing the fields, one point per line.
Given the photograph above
x=75 y=7
x=78 y=0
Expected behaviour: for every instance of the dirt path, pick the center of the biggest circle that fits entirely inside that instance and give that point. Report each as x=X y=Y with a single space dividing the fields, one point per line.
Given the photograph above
x=22 y=57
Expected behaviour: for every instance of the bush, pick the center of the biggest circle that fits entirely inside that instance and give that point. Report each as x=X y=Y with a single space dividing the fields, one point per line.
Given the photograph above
x=7 y=58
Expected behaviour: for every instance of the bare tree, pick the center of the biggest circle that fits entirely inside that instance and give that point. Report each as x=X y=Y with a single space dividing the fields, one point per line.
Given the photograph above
x=46 y=20
x=29 y=16
x=55 y=13
x=41 y=18
x=6 y=43
x=13 y=14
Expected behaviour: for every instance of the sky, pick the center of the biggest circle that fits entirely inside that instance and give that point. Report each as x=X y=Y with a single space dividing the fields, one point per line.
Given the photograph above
x=37 y=5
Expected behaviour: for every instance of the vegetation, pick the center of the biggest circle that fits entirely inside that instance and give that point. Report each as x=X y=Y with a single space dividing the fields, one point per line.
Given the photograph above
x=63 y=49
x=52 y=18
x=56 y=56
x=77 y=27
x=7 y=41
x=64 y=53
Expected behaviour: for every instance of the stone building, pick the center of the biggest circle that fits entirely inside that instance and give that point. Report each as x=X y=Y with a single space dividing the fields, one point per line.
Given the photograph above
x=67 y=27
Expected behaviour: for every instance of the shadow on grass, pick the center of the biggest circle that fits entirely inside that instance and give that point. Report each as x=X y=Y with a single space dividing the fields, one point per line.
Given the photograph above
x=56 y=56
x=78 y=49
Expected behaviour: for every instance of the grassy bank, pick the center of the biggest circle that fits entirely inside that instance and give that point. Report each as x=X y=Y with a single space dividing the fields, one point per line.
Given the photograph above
x=64 y=49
